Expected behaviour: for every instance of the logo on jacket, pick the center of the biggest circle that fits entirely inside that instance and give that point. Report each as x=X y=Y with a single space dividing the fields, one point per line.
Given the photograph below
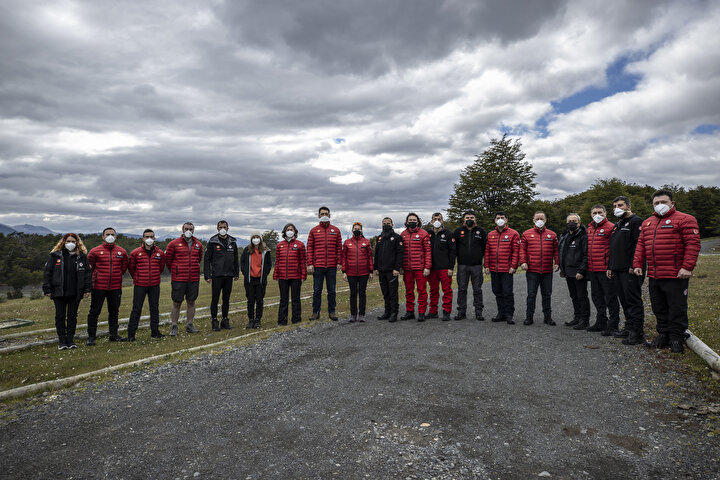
x=417 y=235
x=217 y=248
x=392 y=239
x=80 y=265
x=58 y=261
x=601 y=231
x=442 y=236
x=119 y=254
x=506 y=236
x=667 y=221
x=549 y=234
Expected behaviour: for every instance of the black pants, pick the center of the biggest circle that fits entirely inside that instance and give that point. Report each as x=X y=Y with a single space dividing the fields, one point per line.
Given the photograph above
x=66 y=309
x=255 y=293
x=629 y=292
x=289 y=288
x=465 y=274
x=139 y=294
x=97 y=298
x=358 y=288
x=329 y=276
x=605 y=300
x=579 y=295
x=502 y=288
x=668 y=297
x=224 y=285
x=544 y=281
x=389 y=288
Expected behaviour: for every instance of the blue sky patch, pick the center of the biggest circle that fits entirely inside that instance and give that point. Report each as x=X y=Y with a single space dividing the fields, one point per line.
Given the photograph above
x=706 y=129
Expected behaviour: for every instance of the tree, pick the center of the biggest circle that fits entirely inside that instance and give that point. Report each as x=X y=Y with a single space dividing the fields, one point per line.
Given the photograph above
x=498 y=179
x=270 y=238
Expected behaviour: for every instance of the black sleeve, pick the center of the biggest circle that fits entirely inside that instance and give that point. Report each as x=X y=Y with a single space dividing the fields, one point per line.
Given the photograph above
x=452 y=252
x=584 y=254
x=634 y=236
x=243 y=262
x=236 y=262
x=399 y=252
x=375 y=253
x=268 y=264
x=47 y=276
x=207 y=261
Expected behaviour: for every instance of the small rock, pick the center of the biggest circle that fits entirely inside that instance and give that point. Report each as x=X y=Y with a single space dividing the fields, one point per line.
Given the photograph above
x=544 y=473
x=702 y=411
x=684 y=406
x=424 y=424
x=196 y=474
x=713 y=408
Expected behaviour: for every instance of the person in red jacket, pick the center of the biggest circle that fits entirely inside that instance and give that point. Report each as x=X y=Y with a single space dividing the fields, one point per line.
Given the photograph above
x=324 y=252
x=539 y=257
x=109 y=262
x=442 y=244
x=602 y=289
x=670 y=243
x=502 y=254
x=146 y=265
x=416 y=266
x=357 y=266
x=290 y=271
x=182 y=257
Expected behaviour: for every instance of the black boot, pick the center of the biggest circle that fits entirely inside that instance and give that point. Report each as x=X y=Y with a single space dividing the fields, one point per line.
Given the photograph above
x=62 y=345
x=256 y=323
x=460 y=316
x=215 y=325
x=479 y=317
x=598 y=327
x=661 y=341
x=421 y=317
x=408 y=316
x=676 y=346
x=573 y=322
x=582 y=325
x=70 y=342
x=116 y=338
x=609 y=332
x=431 y=315
x=90 y=341
x=250 y=324
x=384 y=316
x=446 y=317
x=156 y=334
x=225 y=324
x=509 y=320
x=498 y=318
x=131 y=337
x=549 y=321
x=393 y=318
x=634 y=338
x=624 y=333
x=528 y=321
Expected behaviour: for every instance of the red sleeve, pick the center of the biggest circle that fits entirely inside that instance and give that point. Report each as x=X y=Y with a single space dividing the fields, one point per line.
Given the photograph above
x=132 y=265
x=277 y=256
x=370 y=258
x=311 y=249
x=427 y=248
x=169 y=255
x=515 y=255
x=162 y=261
x=690 y=234
x=639 y=257
x=487 y=249
x=303 y=262
x=91 y=258
x=522 y=254
x=339 y=246
x=343 y=260
x=125 y=262
x=556 y=258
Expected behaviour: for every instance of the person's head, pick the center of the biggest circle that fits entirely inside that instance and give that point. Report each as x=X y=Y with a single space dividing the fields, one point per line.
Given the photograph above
x=539 y=219
x=412 y=220
x=573 y=221
x=71 y=242
x=109 y=235
x=188 y=229
x=387 y=224
x=324 y=214
x=289 y=228
x=357 y=229
x=469 y=218
x=256 y=241
x=436 y=220
x=500 y=219
x=148 y=237
x=598 y=213
x=222 y=227
x=662 y=201
x=621 y=205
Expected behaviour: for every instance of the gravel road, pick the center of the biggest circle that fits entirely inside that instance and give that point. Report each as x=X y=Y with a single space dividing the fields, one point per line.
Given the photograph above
x=462 y=399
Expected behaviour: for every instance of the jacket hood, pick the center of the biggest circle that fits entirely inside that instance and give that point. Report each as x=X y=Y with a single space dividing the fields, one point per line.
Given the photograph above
x=216 y=238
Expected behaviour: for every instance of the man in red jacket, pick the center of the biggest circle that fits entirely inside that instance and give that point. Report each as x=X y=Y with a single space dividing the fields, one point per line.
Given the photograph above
x=324 y=256
x=182 y=257
x=146 y=265
x=109 y=262
x=602 y=288
x=502 y=253
x=670 y=243
x=416 y=266
x=539 y=257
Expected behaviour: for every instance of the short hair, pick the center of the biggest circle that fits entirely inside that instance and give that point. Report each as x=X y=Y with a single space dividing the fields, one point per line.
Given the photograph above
x=622 y=198
x=289 y=225
x=436 y=214
x=412 y=214
x=540 y=211
x=661 y=192
x=148 y=230
x=388 y=218
x=323 y=208
x=497 y=214
x=108 y=228
x=468 y=212
x=600 y=206
x=573 y=214
x=223 y=221
x=189 y=223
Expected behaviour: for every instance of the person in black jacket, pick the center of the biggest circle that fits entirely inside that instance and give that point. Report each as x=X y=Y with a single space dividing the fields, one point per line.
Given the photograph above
x=387 y=263
x=623 y=241
x=572 y=251
x=67 y=279
x=221 y=267
x=442 y=243
x=255 y=264
x=470 y=242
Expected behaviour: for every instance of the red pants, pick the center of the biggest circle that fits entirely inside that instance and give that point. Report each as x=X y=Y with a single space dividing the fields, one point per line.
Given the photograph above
x=437 y=278
x=411 y=278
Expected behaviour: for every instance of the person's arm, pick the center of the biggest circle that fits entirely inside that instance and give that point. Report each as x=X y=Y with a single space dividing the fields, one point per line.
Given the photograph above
x=690 y=235
x=452 y=253
x=268 y=263
x=236 y=263
x=124 y=263
x=244 y=257
x=556 y=253
x=399 y=253
x=338 y=248
x=584 y=253
x=207 y=273
x=47 y=276
x=522 y=252
x=427 y=248
x=343 y=258
x=162 y=261
x=311 y=249
x=639 y=257
x=277 y=256
x=303 y=262
x=169 y=256
x=377 y=250
x=515 y=249
x=87 y=283
x=132 y=265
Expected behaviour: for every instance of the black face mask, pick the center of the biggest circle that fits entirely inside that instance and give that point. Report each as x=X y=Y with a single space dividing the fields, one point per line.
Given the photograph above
x=387 y=228
x=357 y=233
x=469 y=223
x=412 y=225
x=572 y=226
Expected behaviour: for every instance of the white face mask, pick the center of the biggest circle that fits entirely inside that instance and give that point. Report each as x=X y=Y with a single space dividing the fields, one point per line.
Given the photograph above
x=324 y=218
x=187 y=234
x=256 y=241
x=437 y=224
x=222 y=232
x=500 y=222
x=598 y=218
x=149 y=241
x=289 y=234
x=619 y=212
x=539 y=223
x=110 y=239
x=662 y=208
x=70 y=246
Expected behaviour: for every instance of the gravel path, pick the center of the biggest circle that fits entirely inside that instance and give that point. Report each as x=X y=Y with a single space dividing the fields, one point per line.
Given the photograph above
x=407 y=400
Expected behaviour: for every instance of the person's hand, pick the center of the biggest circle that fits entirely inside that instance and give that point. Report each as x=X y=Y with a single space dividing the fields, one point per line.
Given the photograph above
x=487 y=270
x=449 y=273
x=395 y=273
x=631 y=271
x=562 y=274
x=512 y=270
x=556 y=267
x=524 y=266
x=237 y=278
x=609 y=274
x=85 y=295
x=376 y=273
x=578 y=276
x=684 y=273
x=345 y=276
x=310 y=269
x=637 y=271
x=426 y=272
x=48 y=295
x=208 y=280
x=370 y=277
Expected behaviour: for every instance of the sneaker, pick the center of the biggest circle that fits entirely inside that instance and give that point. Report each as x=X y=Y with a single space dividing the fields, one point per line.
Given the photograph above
x=549 y=321
x=174 y=330
x=256 y=323
x=333 y=317
x=225 y=324
x=497 y=319
x=479 y=317
x=421 y=317
x=460 y=316
x=352 y=319
x=156 y=334
x=314 y=316
x=117 y=338
x=190 y=328
x=408 y=316
x=431 y=315
x=572 y=323
x=215 y=325
x=676 y=346
x=71 y=344
x=61 y=343
x=361 y=318
x=446 y=317
x=90 y=341
x=528 y=321
x=509 y=321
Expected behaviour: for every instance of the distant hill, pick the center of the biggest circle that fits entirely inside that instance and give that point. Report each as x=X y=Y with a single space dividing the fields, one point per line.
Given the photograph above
x=30 y=229
x=6 y=229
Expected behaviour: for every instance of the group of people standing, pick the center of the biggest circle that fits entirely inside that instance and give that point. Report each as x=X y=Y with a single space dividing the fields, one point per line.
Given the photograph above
x=613 y=258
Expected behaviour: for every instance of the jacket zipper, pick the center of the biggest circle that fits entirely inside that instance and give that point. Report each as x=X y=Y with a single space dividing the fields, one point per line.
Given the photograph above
x=189 y=260
x=653 y=244
x=541 y=252
x=497 y=258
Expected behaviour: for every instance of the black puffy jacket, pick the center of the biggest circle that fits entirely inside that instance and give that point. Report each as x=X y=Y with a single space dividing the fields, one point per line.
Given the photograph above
x=442 y=244
x=389 y=252
x=470 y=245
x=572 y=250
x=623 y=241
x=221 y=259
x=54 y=275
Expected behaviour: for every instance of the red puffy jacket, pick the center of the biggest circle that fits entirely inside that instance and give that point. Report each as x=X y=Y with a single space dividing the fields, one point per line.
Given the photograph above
x=183 y=261
x=502 y=250
x=146 y=268
x=539 y=248
x=668 y=244
x=324 y=246
x=290 y=261
x=598 y=245
x=357 y=257
x=418 y=251
x=109 y=263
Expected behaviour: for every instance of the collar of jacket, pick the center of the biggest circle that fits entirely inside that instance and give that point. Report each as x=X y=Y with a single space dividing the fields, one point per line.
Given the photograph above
x=599 y=225
x=216 y=238
x=109 y=246
x=501 y=229
x=540 y=230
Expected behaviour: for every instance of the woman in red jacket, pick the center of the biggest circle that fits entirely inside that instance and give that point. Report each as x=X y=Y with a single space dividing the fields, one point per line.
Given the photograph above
x=357 y=264
x=290 y=272
x=416 y=266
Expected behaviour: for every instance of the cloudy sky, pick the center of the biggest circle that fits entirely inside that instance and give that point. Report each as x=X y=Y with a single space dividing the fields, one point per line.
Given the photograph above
x=140 y=114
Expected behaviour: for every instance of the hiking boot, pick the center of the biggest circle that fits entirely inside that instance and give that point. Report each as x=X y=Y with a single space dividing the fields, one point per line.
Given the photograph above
x=393 y=318
x=333 y=317
x=361 y=318
x=190 y=328
x=156 y=334
x=583 y=325
x=408 y=316
x=90 y=341
x=479 y=317
x=676 y=346
x=572 y=323
x=661 y=341
x=610 y=332
x=497 y=319
x=314 y=316
x=549 y=321
x=624 y=333
x=528 y=321
x=174 y=330
x=460 y=316
x=384 y=316
x=215 y=325
x=225 y=324
x=598 y=327
x=509 y=320
x=431 y=315
x=446 y=317
x=117 y=338
x=634 y=339
x=421 y=317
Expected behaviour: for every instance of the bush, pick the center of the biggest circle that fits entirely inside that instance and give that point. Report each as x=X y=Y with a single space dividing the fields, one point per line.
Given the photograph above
x=13 y=294
x=3 y=299
x=36 y=295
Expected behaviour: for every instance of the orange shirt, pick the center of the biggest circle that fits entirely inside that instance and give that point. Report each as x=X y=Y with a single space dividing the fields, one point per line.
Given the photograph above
x=256 y=263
